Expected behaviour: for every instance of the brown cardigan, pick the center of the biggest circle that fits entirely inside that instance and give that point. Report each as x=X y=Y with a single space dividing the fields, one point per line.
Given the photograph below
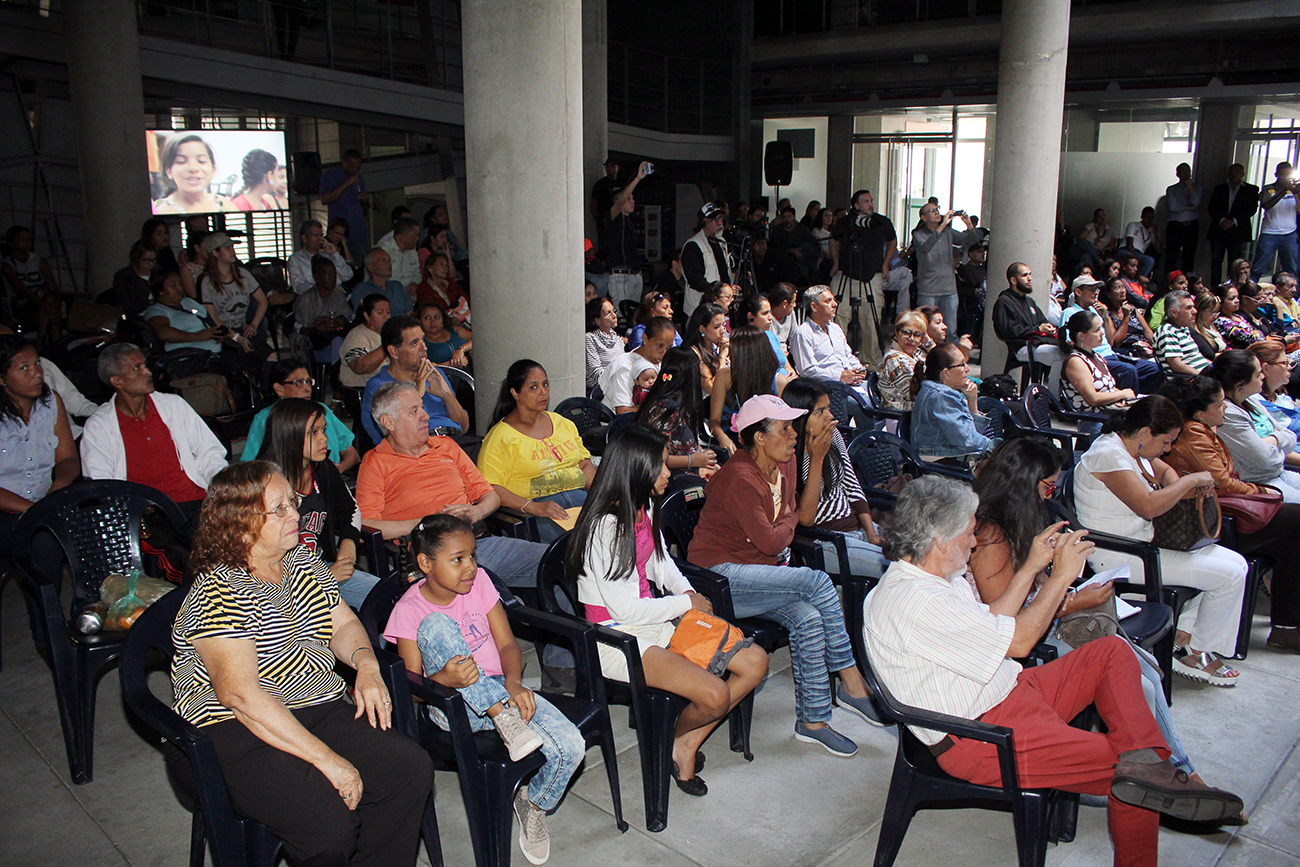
x=1199 y=449
x=736 y=523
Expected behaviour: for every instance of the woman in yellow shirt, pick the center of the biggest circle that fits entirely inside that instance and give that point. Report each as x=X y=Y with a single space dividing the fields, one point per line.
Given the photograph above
x=534 y=459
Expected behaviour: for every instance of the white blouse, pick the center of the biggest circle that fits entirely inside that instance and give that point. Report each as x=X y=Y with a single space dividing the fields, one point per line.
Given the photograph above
x=1095 y=505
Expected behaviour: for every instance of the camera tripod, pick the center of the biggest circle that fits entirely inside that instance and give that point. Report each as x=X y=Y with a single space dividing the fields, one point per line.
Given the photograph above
x=857 y=264
x=746 y=278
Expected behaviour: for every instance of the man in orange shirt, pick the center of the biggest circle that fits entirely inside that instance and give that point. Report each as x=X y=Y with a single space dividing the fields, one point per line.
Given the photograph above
x=412 y=474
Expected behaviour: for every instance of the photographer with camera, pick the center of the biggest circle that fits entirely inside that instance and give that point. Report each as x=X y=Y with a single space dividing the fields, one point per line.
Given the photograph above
x=863 y=244
x=704 y=257
x=1277 y=231
x=620 y=236
x=936 y=279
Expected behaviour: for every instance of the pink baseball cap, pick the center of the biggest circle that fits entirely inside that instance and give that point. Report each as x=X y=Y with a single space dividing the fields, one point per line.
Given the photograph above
x=761 y=407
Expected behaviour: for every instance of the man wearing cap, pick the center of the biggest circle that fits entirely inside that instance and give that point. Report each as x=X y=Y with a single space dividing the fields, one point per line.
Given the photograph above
x=704 y=257
x=620 y=242
x=1140 y=374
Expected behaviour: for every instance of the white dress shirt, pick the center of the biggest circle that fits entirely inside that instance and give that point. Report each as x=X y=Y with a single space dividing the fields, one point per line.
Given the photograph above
x=300 y=277
x=821 y=353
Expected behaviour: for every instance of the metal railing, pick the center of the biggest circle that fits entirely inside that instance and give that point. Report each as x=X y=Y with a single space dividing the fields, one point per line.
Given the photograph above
x=669 y=94
x=791 y=17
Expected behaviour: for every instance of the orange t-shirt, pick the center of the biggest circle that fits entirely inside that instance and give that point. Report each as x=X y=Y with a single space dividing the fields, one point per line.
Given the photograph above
x=396 y=487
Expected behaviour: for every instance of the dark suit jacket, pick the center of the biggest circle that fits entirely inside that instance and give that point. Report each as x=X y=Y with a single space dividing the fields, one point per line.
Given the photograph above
x=1243 y=209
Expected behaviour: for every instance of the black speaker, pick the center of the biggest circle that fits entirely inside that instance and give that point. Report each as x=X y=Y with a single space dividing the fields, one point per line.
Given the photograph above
x=305 y=166
x=778 y=163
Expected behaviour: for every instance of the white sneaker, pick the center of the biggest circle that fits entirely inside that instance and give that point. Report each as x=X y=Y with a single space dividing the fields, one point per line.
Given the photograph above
x=534 y=839
x=519 y=739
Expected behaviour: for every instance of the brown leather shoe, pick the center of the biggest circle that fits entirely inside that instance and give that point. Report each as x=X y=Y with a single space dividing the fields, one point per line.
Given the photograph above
x=1165 y=789
x=1284 y=638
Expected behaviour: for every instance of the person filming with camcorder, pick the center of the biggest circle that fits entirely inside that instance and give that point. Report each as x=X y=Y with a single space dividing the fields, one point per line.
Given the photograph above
x=862 y=245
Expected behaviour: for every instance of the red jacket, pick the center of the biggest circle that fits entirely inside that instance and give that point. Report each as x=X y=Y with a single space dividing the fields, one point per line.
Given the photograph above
x=736 y=524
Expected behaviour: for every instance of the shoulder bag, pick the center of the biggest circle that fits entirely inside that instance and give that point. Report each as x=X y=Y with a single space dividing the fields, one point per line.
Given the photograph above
x=1192 y=523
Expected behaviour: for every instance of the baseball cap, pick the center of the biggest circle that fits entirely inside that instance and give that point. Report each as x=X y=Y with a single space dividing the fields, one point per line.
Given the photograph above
x=709 y=211
x=1083 y=281
x=761 y=407
x=217 y=240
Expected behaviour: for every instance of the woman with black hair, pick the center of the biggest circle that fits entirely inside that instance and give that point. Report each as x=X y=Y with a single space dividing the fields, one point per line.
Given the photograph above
x=1203 y=405
x=753 y=371
x=290 y=378
x=37 y=454
x=744 y=534
x=616 y=553
x=1009 y=561
x=1087 y=384
x=706 y=335
x=362 y=352
x=159 y=236
x=329 y=522
x=534 y=459
x=1263 y=448
x=1120 y=486
x=1126 y=327
x=652 y=305
x=946 y=419
x=672 y=407
x=756 y=310
x=265 y=183
x=1238 y=322
x=830 y=495
x=188 y=164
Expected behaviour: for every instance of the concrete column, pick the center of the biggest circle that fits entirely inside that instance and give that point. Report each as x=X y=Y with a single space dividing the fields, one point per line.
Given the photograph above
x=743 y=91
x=595 y=101
x=523 y=160
x=1216 y=141
x=103 y=54
x=1026 y=164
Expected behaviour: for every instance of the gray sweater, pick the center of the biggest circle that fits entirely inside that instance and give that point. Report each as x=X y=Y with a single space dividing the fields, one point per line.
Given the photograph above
x=935 y=273
x=1256 y=461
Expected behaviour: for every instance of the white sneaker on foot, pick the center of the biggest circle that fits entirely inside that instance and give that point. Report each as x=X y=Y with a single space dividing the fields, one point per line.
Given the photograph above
x=519 y=739
x=534 y=839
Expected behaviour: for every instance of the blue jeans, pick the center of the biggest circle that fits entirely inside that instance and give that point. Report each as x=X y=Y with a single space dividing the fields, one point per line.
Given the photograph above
x=947 y=304
x=865 y=559
x=1140 y=374
x=548 y=529
x=439 y=639
x=1286 y=248
x=1155 y=697
x=1145 y=264
x=355 y=589
x=805 y=602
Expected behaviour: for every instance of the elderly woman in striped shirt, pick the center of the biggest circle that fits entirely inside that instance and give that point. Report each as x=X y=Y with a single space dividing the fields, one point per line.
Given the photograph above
x=830 y=496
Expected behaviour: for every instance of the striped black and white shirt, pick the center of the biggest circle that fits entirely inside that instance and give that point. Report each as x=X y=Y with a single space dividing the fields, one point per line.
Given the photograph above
x=840 y=490
x=290 y=623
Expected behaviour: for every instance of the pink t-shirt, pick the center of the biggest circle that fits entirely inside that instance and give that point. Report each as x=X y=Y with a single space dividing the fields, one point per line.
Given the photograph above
x=469 y=611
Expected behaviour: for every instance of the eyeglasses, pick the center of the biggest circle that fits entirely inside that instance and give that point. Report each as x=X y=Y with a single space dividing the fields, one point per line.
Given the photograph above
x=282 y=510
x=1050 y=488
x=912 y=334
x=962 y=366
x=299 y=382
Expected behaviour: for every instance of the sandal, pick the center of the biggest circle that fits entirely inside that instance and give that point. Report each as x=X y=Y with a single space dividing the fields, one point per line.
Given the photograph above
x=1204 y=666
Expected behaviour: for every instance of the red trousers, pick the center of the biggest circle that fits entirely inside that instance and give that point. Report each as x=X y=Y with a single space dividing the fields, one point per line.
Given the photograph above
x=1052 y=754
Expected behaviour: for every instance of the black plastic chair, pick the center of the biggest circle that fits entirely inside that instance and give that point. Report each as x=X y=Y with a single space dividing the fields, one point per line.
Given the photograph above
x=918 y=782
x=462 y=385
x=96 y=526
x=879 y=456
x=589 y=417
x=848 y=407
x=1257 y=565
x=619 y=421
x=488 y=777
x=654 y=712
x=878 y=402
x=1043 y=409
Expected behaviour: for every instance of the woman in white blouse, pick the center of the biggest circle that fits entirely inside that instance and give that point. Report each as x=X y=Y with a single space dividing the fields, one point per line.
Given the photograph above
x=603 y=344
x=1120 y=486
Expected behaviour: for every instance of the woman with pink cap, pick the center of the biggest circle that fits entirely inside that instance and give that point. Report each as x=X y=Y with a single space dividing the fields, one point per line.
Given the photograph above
x=744 y=534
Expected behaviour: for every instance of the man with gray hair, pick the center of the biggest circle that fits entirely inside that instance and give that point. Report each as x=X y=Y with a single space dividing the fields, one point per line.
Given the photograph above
x=314 y=243
x=379 y=280
x=142 y=436
x=934 y=645
x=1175 y=348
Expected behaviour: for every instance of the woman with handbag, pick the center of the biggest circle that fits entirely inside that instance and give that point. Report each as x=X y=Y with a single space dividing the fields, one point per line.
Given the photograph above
x=1265 y=524
x=1010 y=559
x=617 y=553
x=1121 y=485
x=744 y=534
x=1263 y=449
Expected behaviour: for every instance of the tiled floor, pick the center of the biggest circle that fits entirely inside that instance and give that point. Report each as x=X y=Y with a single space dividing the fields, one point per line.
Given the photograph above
x=794 y=805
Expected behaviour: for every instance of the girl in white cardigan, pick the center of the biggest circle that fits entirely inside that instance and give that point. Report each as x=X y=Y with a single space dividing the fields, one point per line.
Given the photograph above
x=617 y=552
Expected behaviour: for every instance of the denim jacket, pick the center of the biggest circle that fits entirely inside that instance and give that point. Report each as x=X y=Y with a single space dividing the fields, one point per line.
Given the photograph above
x=942 y=424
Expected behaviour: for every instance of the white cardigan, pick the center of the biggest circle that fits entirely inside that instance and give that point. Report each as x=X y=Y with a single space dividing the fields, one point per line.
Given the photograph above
x=103 y=454
x=621 y=597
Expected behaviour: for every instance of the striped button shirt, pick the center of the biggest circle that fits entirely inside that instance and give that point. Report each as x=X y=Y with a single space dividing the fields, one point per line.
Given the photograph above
x=936 y=646
x=1175 y=342
x=289 y=622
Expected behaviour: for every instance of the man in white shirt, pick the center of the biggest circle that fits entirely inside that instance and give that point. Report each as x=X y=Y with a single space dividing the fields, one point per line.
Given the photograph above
x=1277 y=231
x=401 y=250
x=934 y=645
x=1184 y=226
x=818 y=346
x=1143 y=240
x=312 y=236
x=617 y=379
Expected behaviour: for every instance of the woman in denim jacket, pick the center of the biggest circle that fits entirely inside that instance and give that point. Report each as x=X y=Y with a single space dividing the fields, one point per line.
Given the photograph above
x=946 y=421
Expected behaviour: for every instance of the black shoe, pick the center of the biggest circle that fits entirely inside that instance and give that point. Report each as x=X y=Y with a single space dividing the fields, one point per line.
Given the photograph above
x=694 y=786
x=559 y=680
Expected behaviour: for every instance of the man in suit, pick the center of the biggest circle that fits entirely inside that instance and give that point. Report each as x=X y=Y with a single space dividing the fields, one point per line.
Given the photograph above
x=1232 y=205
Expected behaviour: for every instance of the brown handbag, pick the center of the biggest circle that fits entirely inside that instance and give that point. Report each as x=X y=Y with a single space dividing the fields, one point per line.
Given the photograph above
x=1193 y=522
x=1252 y=511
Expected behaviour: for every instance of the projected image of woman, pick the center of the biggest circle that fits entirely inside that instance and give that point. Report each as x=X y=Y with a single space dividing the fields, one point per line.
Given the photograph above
x=266 y=186
x=189 y=164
